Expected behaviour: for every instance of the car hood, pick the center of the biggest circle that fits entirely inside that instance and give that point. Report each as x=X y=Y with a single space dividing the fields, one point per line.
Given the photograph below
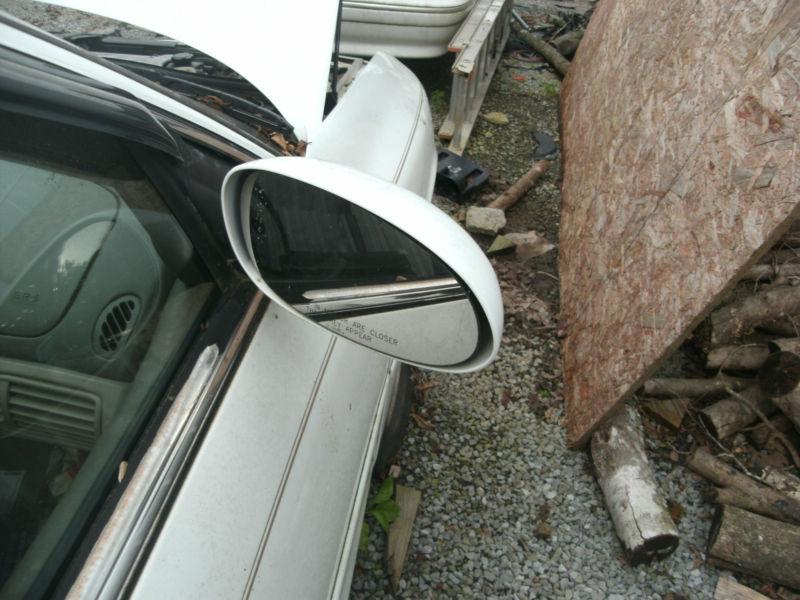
x=282 y=47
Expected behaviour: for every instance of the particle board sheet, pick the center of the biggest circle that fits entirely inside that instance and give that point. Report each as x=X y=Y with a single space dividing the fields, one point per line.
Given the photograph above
x=680 y=149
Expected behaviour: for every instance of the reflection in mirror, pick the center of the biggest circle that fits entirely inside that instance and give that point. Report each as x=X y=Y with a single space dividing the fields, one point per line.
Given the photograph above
x=356 y=274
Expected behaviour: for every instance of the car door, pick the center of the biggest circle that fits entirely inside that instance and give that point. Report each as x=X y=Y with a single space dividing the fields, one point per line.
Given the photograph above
x=102 y=294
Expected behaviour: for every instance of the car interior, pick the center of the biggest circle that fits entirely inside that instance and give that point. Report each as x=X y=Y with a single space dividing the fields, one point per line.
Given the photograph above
x=100 y=291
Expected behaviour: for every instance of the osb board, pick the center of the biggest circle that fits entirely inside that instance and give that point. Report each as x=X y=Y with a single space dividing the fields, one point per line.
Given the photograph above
x=679 y=127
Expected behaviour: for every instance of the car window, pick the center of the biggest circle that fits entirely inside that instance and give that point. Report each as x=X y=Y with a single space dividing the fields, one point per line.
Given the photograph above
x=100 y=292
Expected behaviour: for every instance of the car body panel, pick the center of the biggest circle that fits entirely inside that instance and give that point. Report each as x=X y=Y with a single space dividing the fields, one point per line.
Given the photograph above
x=245 y=36
x=403 y=28
x=268 y=497
x=382 y=126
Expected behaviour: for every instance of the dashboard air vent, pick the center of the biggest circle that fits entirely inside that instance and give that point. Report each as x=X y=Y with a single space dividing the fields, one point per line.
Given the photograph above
x=47 y=412
x=115 y=324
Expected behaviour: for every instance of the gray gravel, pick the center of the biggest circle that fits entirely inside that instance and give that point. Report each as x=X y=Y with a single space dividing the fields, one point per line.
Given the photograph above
x=486 y=469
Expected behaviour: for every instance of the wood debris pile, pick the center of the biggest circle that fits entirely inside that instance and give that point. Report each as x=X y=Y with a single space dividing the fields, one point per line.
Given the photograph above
x=730 y=412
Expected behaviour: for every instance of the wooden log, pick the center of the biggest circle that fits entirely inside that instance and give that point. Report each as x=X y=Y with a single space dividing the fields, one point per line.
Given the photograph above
x=780 y=373
x=762 y=433
x=772 y=272
x=729 y=415
x=549 y=53
x=788 y=344
x=668 y=410
x=730 y=589
x=779 y=378
x=790 y=406
x=785 y=256
x=784 y=482
x=568 y=43
x=400 y=531
x=669 y=387
x=732 y=496
x=744 y=491
x=738 y=318
x=783 y=326
x=513 y=194
x=639 y=512
x=748 y=543
x=747 y=357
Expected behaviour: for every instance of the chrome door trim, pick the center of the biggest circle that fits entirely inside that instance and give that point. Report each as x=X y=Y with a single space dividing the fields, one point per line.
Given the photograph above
x=121 y=545
x=340 y=585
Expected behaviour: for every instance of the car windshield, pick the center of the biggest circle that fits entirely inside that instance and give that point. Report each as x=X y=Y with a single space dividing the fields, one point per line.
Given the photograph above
x=100 y=291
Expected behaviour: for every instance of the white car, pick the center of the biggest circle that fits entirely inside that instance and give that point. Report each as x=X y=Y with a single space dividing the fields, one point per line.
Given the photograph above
x=402 y=28
x=200 y=337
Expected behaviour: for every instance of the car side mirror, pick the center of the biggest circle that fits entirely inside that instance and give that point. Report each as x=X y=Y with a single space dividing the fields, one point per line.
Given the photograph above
x=365 y=259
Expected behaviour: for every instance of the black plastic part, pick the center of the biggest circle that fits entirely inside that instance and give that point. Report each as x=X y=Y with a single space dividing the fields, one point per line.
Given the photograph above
x=396 y=424
x=34 y=88
x=460 y=173
x=545 y=146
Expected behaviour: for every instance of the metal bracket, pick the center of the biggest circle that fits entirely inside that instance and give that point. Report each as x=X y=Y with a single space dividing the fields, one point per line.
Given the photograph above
x=479 y=44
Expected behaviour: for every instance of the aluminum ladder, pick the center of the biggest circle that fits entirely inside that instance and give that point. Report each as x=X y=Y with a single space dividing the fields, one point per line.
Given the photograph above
x=478 y=45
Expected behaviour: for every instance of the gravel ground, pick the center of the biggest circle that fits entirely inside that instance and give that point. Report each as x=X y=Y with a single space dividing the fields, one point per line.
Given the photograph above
x=508 y=511
x=489 y=469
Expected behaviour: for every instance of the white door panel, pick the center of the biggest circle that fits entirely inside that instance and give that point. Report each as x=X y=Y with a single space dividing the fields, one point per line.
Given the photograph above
x=283 y=443
x=303 y=549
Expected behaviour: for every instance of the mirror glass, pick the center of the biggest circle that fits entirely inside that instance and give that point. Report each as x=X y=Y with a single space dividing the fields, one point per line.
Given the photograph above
x=355 y=274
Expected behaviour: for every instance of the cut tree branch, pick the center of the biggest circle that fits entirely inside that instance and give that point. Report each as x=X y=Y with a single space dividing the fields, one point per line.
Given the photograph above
x=513 y=194
x=549 y=53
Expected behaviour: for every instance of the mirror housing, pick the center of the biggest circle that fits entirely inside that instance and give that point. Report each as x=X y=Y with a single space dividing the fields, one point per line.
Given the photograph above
x=444 y=313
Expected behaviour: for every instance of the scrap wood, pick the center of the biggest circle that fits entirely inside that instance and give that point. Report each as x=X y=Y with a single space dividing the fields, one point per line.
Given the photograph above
x=779 y=378
x=729 y=415
x=762 y=433
x=772 y=272
x=670 y=410
x=779 y=435
x=692 y=387
x=568 y=43
x=529 y=244
x=658 y=224
x=742 y=490
x=640 y=514
x=399 y=534
x=747 y=357
x=513 y=194
x=749 y=543
x=784 y=482
x=738 y=318
x=779 y=257
x=730 y=589
x=549 y=53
